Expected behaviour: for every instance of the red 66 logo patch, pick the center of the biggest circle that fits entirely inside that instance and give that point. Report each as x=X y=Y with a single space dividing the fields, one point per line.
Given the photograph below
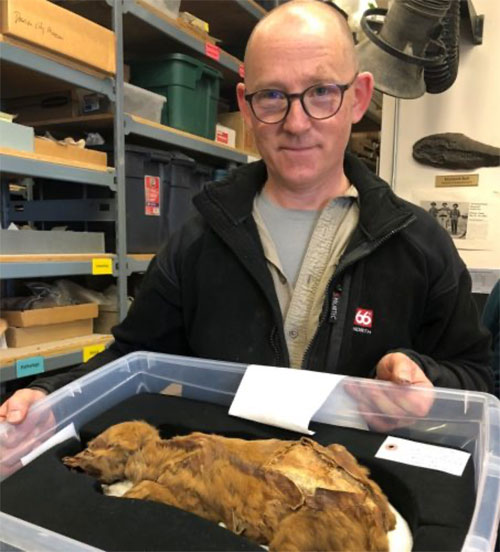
x=363 y=318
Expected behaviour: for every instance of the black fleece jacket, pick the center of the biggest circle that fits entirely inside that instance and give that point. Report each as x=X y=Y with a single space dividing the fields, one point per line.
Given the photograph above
x=400 y=286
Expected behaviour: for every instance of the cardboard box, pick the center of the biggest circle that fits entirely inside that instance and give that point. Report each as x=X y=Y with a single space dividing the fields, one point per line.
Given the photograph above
x=61 y=151
x=14 y=136
x=108 y=317
x=33 y=335
x=244 y=135
x=53 y=28
x=54 y=315
x=225 y=135
x=44 y=107
x=126 y=73
x=39 y=242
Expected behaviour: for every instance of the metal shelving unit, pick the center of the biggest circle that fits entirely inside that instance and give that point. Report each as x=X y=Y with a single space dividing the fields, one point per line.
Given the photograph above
x=43 y=269
x=253 y=9
x=46 y=66
x=168 y=27
x=18 y=63
x=72 y=353
x=9 y=371
x=138 y=263
x=173 y=137
x=26 y=166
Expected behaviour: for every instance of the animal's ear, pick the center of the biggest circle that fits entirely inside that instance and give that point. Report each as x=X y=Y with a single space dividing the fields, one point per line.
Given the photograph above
x=291 y=493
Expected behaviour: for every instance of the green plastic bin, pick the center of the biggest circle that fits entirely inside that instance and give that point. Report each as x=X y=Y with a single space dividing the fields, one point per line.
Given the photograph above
x=191 y=89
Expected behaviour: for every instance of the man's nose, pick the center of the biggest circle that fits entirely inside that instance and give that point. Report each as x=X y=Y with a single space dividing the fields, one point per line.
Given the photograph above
x=297 y=120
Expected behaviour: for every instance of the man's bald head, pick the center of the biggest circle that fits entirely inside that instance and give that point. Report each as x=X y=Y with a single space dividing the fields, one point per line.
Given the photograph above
x=299 y=18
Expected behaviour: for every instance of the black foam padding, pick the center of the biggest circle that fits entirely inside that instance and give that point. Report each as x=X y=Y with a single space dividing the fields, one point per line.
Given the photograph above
x=437 y=506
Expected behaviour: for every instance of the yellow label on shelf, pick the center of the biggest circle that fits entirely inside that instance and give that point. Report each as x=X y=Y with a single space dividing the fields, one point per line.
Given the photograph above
x=92 y=350
x=102 y=266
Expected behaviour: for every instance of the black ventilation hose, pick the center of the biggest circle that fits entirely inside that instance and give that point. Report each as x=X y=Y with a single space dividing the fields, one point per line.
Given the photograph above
x=441 y=76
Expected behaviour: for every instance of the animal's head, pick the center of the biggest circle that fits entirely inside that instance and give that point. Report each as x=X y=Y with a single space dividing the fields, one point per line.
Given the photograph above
x=106 y=456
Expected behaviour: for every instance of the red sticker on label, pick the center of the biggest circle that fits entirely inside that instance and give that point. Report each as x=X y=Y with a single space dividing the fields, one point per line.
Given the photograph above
x=152 y=196
x=212 y=51
x=363 y=318
x=222 y=137
x=241 y=71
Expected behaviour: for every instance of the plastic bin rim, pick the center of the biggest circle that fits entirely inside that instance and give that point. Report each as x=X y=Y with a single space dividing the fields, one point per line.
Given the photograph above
x=175 y=155
x=187 y=59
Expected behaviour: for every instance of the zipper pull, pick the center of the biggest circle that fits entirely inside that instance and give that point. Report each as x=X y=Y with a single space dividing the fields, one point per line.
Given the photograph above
x=337 y=293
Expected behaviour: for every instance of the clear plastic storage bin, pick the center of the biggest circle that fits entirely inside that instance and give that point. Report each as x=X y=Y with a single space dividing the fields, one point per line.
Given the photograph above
x=141 y=102
x=461 y=419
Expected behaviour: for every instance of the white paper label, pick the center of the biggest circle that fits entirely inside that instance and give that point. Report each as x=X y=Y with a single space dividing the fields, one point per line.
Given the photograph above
x=64 y=434
x=282 y=397
x=423 y=455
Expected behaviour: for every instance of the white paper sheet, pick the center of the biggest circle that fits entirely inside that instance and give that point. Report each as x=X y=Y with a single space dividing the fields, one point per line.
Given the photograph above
x=423 y=455
x=282 y=397
x=66 y=433
x=468 y=215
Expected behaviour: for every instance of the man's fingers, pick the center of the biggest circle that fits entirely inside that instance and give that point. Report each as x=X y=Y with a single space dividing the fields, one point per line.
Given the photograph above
x=386 y=407
x=16 y=409
x=416 y=400
x=384 y=403
x=401 y=374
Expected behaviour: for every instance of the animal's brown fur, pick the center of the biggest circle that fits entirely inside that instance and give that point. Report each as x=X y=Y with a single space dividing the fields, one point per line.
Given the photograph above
x=292 y=495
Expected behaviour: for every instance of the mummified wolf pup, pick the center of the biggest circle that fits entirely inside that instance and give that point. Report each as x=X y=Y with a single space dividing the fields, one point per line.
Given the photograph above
x=291 y=495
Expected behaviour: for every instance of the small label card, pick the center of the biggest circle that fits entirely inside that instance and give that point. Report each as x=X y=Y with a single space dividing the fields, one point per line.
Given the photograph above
x=445 y=181
x=423 y=455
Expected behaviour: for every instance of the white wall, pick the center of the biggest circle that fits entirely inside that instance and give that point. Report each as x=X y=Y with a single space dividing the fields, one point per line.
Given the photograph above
x=471 y=106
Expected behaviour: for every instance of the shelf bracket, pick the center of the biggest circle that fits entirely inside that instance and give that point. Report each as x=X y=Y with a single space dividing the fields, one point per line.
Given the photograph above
x=474 y=22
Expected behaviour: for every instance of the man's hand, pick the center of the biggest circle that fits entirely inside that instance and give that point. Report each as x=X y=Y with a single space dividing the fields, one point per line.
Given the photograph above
x=26 y=432
x=396 y=406
x=14 y=410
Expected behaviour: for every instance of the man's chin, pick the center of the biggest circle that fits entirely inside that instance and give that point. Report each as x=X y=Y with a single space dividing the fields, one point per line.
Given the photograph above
x=298 y=175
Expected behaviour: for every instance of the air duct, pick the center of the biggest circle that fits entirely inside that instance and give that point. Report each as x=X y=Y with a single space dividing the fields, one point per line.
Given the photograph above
x=441 y=76
x=407 y=43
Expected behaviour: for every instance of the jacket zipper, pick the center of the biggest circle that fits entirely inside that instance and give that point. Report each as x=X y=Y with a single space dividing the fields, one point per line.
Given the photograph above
x=338 y=289
x=274 y=345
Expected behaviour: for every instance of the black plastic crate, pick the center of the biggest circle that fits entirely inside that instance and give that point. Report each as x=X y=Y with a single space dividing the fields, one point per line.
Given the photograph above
x=160 y=186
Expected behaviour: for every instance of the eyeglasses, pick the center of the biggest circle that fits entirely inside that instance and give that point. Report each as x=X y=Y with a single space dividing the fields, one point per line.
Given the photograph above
x=319 y=101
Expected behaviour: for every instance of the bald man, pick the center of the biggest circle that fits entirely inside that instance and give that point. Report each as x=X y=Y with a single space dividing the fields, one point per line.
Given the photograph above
x=306 y=259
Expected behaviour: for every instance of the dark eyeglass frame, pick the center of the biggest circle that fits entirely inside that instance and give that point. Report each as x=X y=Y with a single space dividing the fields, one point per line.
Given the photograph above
x=300 y=96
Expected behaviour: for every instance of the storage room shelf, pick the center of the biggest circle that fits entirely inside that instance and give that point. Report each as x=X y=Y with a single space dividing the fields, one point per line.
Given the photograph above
x=38 y=266
x=155 y=131
x=137 y=126
x=18 y=64
x=161 y=27
x=138 y=262
x=232 y=22
x=31 y=164
x=56 y=354
x=148 y=32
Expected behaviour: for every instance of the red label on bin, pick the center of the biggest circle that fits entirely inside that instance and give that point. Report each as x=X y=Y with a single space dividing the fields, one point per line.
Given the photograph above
x=222 y=137
x=212 y=51
x=241 y=71
x=152 y=196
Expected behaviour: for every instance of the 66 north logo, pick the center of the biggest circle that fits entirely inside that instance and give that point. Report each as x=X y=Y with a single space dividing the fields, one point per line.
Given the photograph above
x=363 y=321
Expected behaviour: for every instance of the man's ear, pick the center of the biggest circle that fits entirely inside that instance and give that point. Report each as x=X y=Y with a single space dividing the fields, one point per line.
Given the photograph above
x=243 y=104
x=363 y=90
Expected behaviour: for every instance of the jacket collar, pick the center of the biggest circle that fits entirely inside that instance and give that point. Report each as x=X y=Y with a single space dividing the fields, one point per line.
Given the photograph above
x=231 y=199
